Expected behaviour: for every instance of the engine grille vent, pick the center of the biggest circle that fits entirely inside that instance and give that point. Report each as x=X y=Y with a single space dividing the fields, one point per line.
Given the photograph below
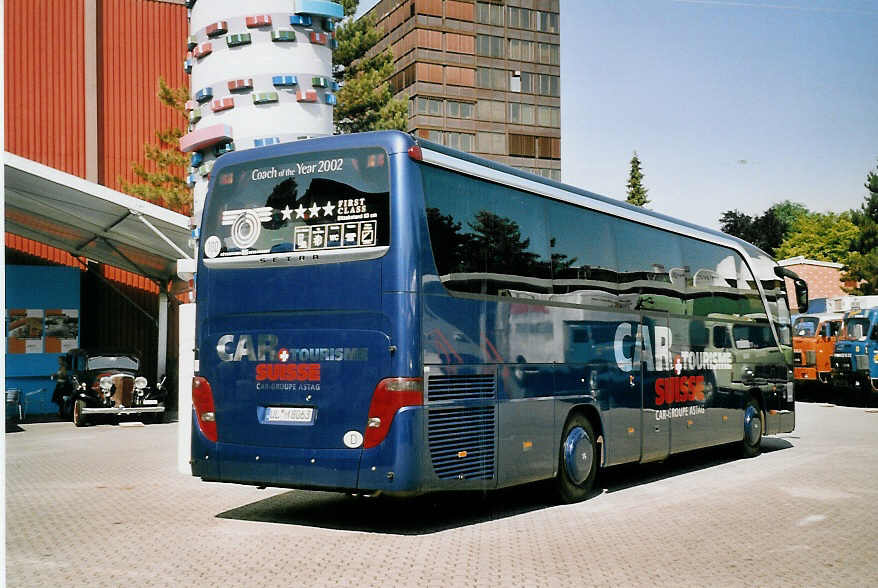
x=462 y=442
x=464 y=387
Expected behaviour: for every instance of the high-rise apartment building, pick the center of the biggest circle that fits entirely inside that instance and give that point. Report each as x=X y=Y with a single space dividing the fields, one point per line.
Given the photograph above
x=480 y=76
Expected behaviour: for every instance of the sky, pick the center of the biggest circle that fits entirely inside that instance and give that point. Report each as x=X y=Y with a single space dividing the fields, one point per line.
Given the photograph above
x=730 y=104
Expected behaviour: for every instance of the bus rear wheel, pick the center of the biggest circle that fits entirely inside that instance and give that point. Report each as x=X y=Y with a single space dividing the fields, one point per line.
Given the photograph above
x=753 y=427
x=578 y=460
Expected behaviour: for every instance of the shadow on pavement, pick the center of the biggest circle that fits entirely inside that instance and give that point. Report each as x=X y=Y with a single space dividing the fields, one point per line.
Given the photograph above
x=632 y=475
x=422 y=515
x=419 y=515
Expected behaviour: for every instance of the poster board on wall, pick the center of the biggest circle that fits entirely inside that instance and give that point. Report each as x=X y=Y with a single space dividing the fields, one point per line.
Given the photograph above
x=24 y=330
x=62 y=329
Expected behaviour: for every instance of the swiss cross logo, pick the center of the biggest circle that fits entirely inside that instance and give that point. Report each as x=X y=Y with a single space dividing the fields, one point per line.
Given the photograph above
x=283 y=354
x=678 y=365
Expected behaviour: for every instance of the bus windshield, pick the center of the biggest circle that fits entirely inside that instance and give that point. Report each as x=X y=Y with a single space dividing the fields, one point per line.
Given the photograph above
x=316 y=202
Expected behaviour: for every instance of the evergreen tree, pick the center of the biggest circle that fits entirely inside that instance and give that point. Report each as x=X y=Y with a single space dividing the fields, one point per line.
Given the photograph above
x=636 y=190
x=365 y=98
x=162 y=180
x=862 y=266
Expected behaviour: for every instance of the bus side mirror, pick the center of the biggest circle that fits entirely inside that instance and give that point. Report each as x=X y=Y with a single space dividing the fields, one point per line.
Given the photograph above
x=800 y=285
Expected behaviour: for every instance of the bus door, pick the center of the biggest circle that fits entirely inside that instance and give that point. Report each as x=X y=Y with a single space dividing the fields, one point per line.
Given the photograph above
x=617 y=387
x=654 y=343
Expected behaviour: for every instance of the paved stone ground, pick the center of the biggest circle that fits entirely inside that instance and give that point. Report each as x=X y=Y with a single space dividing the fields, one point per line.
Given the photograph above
x=104 y=506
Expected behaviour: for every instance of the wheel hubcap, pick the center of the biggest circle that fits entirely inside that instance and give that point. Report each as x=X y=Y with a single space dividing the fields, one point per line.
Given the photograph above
x=578 y=455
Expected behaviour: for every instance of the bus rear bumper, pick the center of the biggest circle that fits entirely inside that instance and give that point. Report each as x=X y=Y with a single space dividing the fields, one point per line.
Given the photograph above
x=390 y=466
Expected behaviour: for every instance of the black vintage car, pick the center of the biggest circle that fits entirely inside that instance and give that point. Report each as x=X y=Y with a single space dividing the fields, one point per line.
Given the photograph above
x=106 y=383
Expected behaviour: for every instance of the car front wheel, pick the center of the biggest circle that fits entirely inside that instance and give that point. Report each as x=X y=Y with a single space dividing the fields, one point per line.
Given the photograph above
x=78 y=417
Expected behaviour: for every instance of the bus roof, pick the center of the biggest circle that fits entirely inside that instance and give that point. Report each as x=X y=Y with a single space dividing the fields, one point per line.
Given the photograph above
x=399 y=142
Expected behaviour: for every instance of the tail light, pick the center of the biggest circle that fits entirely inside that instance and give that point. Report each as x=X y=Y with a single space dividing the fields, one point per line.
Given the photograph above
x=390 y=395
x=202 y=401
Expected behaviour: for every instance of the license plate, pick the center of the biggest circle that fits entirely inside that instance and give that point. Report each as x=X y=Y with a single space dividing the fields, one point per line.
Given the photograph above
x=152 y=402
x=289 y=414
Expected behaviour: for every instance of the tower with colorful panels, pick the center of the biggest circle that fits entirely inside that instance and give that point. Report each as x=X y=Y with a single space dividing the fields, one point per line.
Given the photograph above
x=261 y=73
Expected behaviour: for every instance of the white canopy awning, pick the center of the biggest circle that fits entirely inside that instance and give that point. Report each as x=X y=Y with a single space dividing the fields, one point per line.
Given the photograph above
x=93 y=221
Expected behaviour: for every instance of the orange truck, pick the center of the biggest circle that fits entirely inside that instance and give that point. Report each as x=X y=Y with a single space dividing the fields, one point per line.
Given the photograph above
x=814 y=338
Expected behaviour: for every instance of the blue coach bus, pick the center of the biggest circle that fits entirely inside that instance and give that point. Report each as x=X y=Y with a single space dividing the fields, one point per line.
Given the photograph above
x=381 y=314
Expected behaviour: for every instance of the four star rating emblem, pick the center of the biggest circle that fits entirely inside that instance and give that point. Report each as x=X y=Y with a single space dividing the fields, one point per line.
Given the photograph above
x=313 y=211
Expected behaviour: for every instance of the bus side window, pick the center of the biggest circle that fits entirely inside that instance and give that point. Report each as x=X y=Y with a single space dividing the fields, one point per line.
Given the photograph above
x=874 y=335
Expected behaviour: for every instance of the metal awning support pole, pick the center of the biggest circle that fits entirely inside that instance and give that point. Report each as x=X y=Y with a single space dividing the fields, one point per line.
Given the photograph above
x=161 y=235
x=161 y=363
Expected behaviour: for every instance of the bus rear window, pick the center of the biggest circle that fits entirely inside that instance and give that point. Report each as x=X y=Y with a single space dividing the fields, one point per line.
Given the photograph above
x=315 y=202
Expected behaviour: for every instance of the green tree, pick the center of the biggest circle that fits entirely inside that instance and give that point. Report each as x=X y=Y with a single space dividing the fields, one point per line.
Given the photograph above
x=821 y=236
x=162 y=178
x=862 y=266
x=636 y=190
x=787 y=212
x=365 y=98
x=768 y=230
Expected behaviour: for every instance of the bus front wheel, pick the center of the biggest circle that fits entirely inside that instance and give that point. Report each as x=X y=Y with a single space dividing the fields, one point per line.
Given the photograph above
x=578 y=459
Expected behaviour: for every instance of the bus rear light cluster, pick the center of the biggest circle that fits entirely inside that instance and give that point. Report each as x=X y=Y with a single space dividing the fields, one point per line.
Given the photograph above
x=202 y=401
x=390 y=395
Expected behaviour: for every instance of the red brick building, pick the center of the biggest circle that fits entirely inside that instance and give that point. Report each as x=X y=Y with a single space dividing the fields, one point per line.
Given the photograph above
x=823 y=277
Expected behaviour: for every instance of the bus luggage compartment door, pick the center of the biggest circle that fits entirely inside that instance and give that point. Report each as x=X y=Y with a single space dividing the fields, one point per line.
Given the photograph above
x=306 y=388
x=655 y=425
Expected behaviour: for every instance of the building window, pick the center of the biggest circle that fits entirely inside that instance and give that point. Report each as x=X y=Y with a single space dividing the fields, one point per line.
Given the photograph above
x=530 y=146
x=523 y=18
x=428 y=72
x=548 y=116
x=494 y=143
x=547 y=22
x=458 y=10
x=489 y=46
x=542 y=84
x=459 y=76
x=431 y=135
x=522 y=145
x=521 y=50
x=462 y=141
x=458 y=109
x=491 y=14
x=549 y=148
x=429 y=39
x=403 y=79
x=430 y=106
x=549 y=53
x=520 y=18
x=430 y=7
x=455 y=43
x=493 y=79
x=522 y=114
x=491 y=110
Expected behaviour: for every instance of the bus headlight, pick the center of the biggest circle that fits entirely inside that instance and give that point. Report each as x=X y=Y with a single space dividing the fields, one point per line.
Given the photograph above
x=140 y=383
